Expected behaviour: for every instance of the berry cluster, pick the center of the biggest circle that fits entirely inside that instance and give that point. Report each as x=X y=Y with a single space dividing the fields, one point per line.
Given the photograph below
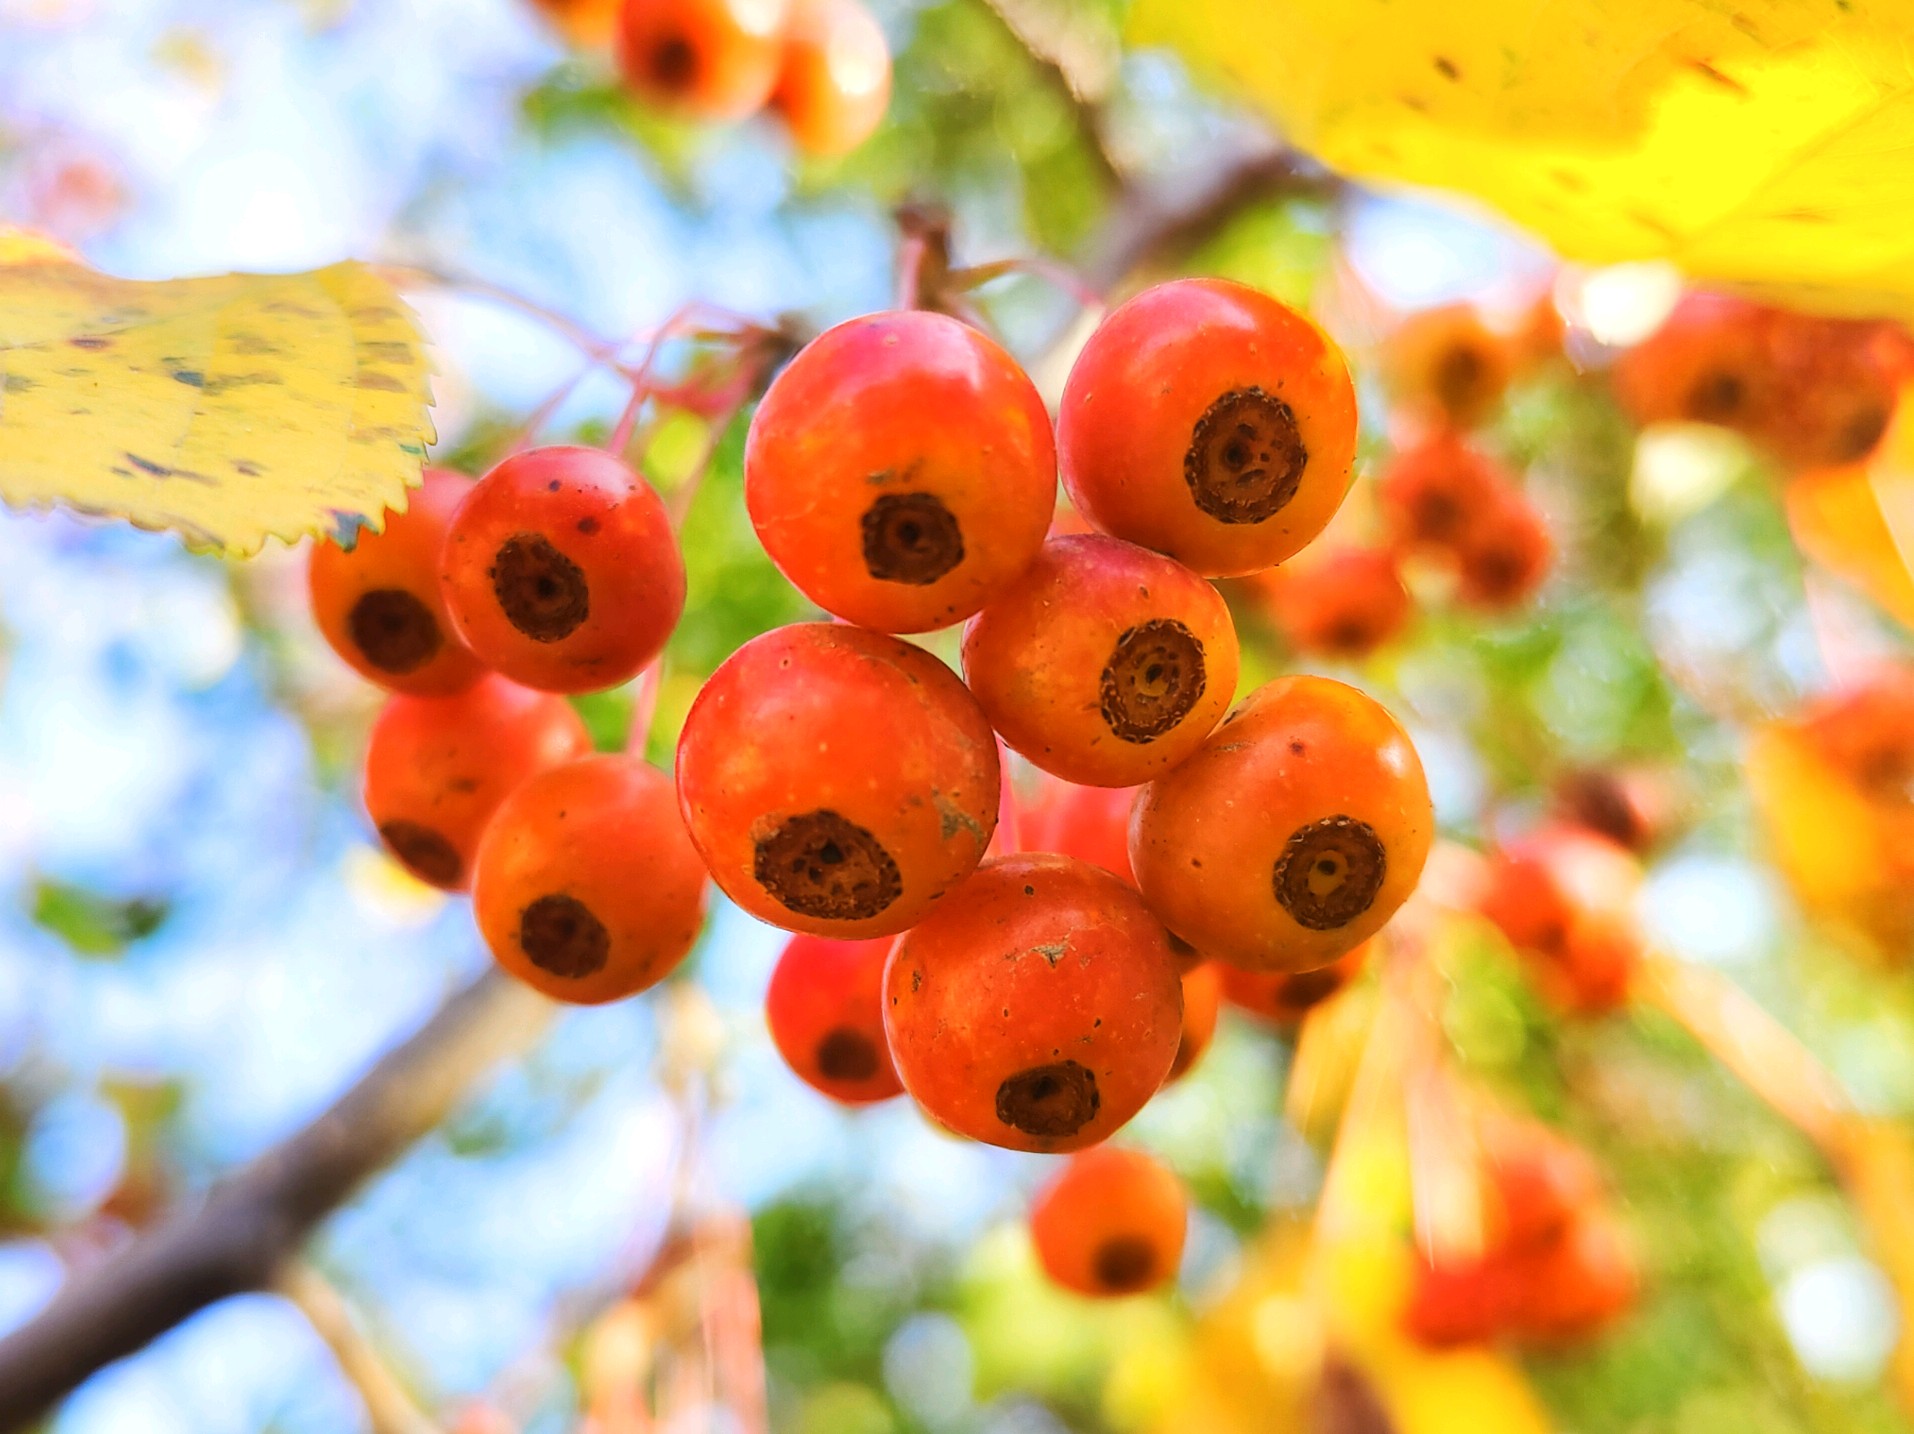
x=1031 y=985
x=822 y=66
x=1555 y=1265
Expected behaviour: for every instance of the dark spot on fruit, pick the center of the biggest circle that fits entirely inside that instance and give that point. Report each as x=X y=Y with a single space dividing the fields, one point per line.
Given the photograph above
x=553 y=486
x=560 y=935
x=1296 y=746
x=1049 y=1101
x=911 y=538
x=1124 y=1263
x=845 y=1054
x=543 y=593
x=674 y=62
x=587 y=526
x=824 y=865
x=1436 y=515
x=1329 y=872
x=1246 y=457
x=1497 y=573
x=423 y=852
x=1461 y=378
x=394 y=630
x=1717 y=396
x=1030 y=891
x=1154 y=677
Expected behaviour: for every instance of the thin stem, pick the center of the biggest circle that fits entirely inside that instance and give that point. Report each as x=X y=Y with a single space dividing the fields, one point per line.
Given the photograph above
x=390 y=1409
x=1038 y=266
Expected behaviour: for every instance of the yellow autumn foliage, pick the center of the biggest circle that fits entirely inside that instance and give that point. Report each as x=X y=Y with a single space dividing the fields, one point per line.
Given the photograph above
x=227 y=409
x=1767 y=142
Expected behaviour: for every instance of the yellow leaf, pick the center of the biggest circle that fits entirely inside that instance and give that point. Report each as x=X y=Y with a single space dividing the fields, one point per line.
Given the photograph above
x=1768 y=142
x=227 y=409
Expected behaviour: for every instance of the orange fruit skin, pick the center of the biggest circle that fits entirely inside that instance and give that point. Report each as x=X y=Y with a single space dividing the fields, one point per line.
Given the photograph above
x=1564 y=896
x=1042 y=655
x=823 y=717
x=588 y=24
x=1110 y=1223
x=1292 y=835
x=1202 y=1003
x=437 y=768
x=875 y=420
x=1346 y=604
x=825 y=1010
x=1152 y=371
x=358 y=593
x=1283 y=998
x=604 y=833
x=835 y=81
x=1090 y=823
x=713 y=60
x=1448 y=364
x=1038 y=1009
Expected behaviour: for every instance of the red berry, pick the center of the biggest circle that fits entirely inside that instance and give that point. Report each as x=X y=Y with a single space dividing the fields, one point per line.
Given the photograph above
x=587 y=887
x=378 y=602
x=835 y=81
x=438 y=767
x=825 y=1008
x=1345 y=604
x=1202 y=1002
x=1039 y=1009
x=1292 y=835
x=1208 y=421
x=1104 y=663
x=1436 y=490
x=1572 y=1288
x=1455 y=1302
x=901 y=470
x=588 y=24
x=837 y=781
x=561 y=570
x=1089 y=823
x=1111 y=1222
x=1283 y=998
x=1564 y=897
x=1448 y=364
x=705 y=59
x=1504 y=556
x=1540 y=1184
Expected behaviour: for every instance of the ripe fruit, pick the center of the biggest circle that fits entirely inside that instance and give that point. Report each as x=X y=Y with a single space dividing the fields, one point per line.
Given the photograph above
x=588 y=24
x=1345 y=604
x=837 y=781
x=704 y=59
x=438 y=767
x=835 y=80
x=1292 y=835
x=378 y=602
x=1504 y=555
x=1436 y=490
x=1037 y=1010
x=1202 y=1002
x=561 y=571
x=1448 y=364
x=1089 y=823
x=586 y=886
x=1103 y=663
x=1283 y=997
x=825 y=1008
x=1111 y=1222
x=1208 y=421
x=1564 y=897
x=901 y=470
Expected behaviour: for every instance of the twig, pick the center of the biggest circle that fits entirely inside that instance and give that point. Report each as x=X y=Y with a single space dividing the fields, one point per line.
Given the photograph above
x=240 y=1237
x=390 y=1409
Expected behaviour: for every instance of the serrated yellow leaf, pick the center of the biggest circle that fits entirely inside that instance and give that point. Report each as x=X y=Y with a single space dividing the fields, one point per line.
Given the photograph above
x=228 y=409
x=1767 y=143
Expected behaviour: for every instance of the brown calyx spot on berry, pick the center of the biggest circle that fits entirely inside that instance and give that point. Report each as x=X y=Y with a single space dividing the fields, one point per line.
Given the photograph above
x=559 y=934
x=1124 y=1262
x=911 y=538
x=845 y=1054
x=1049 y=1101
x=822 y=864
x=1329 y=872
x=673 y=62
x=1246 y=457
x=1717 y=396
x=396 y=632
x=543 y=593
x=1461 y=377
x=1153 y=678
x=423 y=852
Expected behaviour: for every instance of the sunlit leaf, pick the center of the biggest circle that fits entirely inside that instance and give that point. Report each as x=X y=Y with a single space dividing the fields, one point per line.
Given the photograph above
x=228 y=410
x=1768 y=142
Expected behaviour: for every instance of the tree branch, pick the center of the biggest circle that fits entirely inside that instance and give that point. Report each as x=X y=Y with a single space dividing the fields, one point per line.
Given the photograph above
x=249 y=1225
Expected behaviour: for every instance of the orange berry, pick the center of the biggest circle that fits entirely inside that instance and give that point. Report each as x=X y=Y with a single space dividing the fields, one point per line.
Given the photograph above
x=1504 y=555
x=1103 y=663
x=835 y=81
x=437 y=768
x=1345 y=604
x=1202 y=1002
x=588 y=24
x=705 y=59
x=587 y=887
x=1434 y=492
x=1038 y=1009
x=1111 y=1222
x=825 y=1009
x=1283 y=998
x=1292 y=835
x=378 y=602
x=1564 y=896
x=1210 y=422
x=1089 y=823
x=1449 y=364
